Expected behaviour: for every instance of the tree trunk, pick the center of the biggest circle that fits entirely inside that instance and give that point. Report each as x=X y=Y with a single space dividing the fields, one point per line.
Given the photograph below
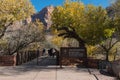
x=107 y=55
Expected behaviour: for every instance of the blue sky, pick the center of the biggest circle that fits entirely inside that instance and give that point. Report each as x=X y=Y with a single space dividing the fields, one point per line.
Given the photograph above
x=39 y=4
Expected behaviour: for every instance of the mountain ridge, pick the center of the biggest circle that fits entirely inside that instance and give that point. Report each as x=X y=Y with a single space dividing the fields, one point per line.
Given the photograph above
x=44 y=16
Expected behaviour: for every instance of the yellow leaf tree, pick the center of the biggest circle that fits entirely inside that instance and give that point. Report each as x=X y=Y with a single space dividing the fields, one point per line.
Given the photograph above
x=87 y=24
x=13 y=10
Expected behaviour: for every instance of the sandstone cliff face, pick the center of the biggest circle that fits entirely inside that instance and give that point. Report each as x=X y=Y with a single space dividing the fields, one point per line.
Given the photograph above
x=18 y=24
x=44 y=16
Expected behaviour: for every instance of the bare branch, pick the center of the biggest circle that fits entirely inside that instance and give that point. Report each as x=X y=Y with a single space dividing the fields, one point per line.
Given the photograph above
x=4 y=29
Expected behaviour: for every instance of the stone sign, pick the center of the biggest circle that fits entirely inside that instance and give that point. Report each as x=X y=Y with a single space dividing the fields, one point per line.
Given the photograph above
x=73 y=52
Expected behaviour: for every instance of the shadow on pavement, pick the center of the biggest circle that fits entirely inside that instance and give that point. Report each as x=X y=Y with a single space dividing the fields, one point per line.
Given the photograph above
x=45 y=64
x=104 y=72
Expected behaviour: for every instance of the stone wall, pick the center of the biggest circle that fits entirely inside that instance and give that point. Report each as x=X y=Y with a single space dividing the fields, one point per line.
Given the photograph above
x=93 y=63
x=8 y=60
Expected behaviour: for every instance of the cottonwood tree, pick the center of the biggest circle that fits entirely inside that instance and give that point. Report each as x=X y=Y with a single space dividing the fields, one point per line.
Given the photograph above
x=113 y=35
x=87 y=24
x=23 y=37
x=84 y=23
x=115 y=7
x=13 y=10
x=64 y=20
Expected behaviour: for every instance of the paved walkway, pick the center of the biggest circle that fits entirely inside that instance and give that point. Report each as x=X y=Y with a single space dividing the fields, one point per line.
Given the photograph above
x=46 y=70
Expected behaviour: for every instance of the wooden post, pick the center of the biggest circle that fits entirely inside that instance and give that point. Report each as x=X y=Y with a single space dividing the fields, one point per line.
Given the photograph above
x=60 y=58
x=37 y=56
x=86 y=59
